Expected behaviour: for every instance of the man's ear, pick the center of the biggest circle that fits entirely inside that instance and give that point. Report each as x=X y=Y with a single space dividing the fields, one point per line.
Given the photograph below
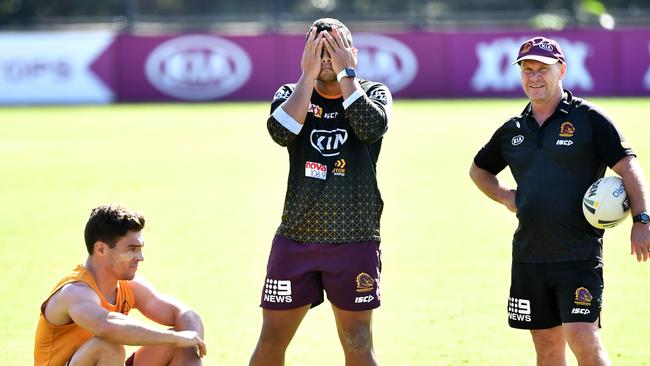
x=100 y=247
x=563 y=71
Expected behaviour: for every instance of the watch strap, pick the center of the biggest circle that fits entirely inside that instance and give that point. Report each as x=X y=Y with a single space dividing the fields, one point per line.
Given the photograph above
x=346 y=72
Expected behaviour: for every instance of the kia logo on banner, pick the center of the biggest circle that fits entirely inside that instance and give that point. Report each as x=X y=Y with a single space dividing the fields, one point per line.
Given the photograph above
x=198 y=67
x=646 y=79
x=385 y=59
x=495 y=71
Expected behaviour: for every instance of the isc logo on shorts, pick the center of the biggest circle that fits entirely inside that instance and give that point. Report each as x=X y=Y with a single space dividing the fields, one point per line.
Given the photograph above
x=362 y=299
x=564 y=142
x=580 y=311
x=277 y=291
x=315 y=170
x=519 y=309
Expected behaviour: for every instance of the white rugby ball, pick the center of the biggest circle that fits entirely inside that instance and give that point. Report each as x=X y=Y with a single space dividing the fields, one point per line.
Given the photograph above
x=605 y=203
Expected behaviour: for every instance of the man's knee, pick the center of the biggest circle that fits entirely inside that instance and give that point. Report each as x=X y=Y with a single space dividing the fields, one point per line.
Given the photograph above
x=549 y=341
x=98 y=349
x=112 y=348
x=583 y=338
x=274 y=338
x=279 y=327
x=548 y=345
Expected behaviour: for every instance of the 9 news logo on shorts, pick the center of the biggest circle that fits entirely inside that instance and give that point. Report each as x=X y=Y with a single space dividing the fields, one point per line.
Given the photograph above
x=519 y=309
x=277 y=291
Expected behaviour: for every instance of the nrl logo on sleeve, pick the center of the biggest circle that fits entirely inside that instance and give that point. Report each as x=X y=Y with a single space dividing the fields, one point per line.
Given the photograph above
x=328 y=142
x=282 y=93
x=379 y=94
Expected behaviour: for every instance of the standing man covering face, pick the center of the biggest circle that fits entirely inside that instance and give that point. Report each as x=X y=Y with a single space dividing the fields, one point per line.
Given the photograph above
x=332 y=124
x=556 y=148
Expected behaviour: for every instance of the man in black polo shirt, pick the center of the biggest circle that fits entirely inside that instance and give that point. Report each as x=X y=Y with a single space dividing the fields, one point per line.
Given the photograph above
x=555 y=149
x=332 y=124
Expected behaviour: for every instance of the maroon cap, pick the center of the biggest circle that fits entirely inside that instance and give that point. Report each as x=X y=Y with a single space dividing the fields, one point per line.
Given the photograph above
x=540 y=49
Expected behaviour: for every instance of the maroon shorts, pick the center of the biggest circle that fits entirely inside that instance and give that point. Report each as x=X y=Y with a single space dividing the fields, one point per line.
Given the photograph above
x=297 y=274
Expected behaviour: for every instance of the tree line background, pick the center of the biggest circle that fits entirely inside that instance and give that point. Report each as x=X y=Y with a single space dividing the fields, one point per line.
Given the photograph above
x=274 y=14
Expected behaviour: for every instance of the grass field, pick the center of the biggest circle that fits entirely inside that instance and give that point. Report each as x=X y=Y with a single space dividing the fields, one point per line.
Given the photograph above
x=211 y=184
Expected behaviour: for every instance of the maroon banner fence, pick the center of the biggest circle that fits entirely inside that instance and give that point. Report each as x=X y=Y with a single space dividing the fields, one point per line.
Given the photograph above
x=205 y=67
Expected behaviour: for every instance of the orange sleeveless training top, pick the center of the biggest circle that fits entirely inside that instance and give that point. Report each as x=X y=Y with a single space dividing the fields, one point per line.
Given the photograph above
x=55 y=344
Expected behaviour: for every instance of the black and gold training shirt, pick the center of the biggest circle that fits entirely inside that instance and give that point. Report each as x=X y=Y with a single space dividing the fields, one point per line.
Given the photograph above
x=332 y=193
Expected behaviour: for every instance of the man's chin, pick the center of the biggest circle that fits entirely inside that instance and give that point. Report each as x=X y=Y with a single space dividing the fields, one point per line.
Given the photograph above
x=536 y=95
x=327 y=75
x=128 y=276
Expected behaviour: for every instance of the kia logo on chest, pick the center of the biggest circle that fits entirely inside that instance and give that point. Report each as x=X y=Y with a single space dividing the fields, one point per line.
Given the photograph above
x=198 y=67
x=328 y=143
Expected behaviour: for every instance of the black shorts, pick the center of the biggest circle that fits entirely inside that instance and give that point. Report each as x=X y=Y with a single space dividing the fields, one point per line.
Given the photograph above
x=545 y=295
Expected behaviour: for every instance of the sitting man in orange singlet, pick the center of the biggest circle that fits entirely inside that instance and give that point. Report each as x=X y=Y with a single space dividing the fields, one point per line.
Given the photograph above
x=84 y=319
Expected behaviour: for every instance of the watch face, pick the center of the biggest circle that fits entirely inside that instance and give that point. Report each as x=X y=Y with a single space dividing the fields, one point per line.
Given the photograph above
x=643 y=218
x=350 y=72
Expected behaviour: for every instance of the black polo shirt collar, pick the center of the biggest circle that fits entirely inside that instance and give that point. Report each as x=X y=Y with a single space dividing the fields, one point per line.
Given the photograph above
x=564 y=107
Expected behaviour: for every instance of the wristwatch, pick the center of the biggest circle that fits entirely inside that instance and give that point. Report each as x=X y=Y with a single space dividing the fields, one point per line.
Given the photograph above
x=348 y=72
x=643 y=218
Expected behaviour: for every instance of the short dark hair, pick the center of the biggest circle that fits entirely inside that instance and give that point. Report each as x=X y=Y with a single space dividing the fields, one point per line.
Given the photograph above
x=327 y=24
x=109 y=223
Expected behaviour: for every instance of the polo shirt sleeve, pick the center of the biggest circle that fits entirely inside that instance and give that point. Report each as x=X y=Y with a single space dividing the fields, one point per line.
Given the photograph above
x=609 y=143
x=490 y=157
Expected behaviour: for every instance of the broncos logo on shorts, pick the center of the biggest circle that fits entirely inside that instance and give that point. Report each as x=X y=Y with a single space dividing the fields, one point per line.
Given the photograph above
x=583 y=296
x=365 y=283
